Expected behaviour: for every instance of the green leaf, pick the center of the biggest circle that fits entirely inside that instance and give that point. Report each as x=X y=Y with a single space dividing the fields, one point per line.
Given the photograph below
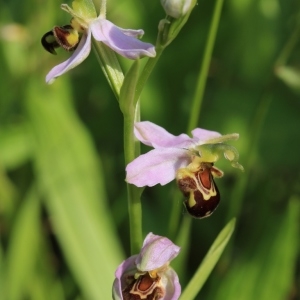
x=267 y=270
x=23 y=247
x=184 y=242
x=280 y=260
x=43 y=286
x=209 y=262
x=69 y=175
x=15 y=145
x=8 y=196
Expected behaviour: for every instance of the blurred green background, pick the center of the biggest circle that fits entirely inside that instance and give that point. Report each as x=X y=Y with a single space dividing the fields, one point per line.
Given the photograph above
x=63 y=209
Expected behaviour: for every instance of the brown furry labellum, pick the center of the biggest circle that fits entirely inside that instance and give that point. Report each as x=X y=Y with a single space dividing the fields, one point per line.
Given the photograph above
x=200 y=190
x=144 y=287
x=65 y=36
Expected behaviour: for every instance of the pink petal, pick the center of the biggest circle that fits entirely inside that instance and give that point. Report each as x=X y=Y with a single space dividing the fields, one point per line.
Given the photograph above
x=156 y=252
x=173 y=288
x=120 y=40
x=204 y=135
x=126 y=267
x=133 y=32
x=158 y=166
x=155 y=136
x=79 y=55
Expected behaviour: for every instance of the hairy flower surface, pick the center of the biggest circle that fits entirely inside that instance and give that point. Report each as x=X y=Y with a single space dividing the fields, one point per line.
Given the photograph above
x=148 y=275
x=86 y=24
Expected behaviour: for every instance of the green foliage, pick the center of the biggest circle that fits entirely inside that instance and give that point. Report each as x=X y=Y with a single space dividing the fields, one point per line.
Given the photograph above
x=63 y=211
x=209 y=262
x=20 y=265
x=266 y=269
x=69 y=175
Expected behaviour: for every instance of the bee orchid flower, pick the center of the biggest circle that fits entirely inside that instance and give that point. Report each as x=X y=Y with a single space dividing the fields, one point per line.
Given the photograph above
x=188 y=159
x=78 y=35
x=148 y=275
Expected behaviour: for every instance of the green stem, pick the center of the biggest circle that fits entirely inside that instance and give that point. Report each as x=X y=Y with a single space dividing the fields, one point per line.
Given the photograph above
x=132 y=150
x=135 y=216
x=175 y=214
x=165 y=37
x=198 y=97
x=289 y=46
x=182 y=240
x=131 y=112
x=148 y=68
x=133 y=192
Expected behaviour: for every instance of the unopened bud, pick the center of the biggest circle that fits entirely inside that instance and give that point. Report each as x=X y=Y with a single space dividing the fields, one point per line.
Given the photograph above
x=177 y=8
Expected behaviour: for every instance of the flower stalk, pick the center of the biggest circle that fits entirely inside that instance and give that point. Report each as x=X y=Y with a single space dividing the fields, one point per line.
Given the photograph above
x=131 y=112
x=198 y=97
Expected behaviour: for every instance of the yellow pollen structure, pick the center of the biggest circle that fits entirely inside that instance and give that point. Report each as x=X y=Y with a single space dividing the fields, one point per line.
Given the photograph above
x=73 y=37
x=153 y=274
x=77 y=26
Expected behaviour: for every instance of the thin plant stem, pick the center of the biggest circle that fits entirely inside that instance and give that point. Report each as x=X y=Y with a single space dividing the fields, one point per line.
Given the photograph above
x=176 y=210
x=148 y=68
x=131 y=150
x=164 y=38
x=182 y=240
x=289 y=47
x=135 y=217
x=131 y=112
x=198 y=97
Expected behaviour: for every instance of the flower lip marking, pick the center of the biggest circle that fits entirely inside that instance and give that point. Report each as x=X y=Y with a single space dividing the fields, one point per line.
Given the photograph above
x=200 y=190
x=148 y=274
x=144 y=287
